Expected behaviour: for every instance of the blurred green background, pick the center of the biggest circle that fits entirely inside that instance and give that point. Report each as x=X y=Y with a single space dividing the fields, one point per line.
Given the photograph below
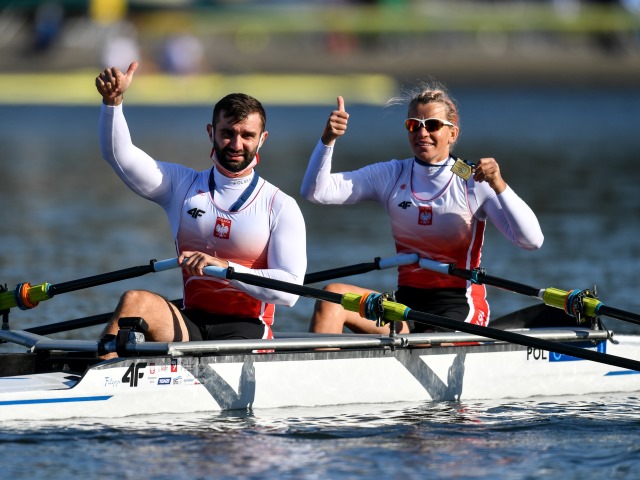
x=186 y=46
x=549 y=88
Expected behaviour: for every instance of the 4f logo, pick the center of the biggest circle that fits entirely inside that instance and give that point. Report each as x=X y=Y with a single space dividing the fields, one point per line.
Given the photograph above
x=134 y=373
x=404 y=205
x=195 y=212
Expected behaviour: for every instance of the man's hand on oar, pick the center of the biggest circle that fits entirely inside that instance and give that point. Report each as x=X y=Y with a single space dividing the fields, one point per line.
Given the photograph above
x=26 y=296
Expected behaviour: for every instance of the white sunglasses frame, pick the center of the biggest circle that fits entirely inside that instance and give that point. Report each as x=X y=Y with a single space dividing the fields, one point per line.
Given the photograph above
x=423 y=123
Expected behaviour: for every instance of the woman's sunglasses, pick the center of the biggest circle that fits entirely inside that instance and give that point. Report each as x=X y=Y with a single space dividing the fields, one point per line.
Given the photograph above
x=431 y=124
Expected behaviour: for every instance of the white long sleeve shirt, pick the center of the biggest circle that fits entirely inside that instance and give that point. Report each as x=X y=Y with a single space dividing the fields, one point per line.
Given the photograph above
x=433 y=212
x=265 y=237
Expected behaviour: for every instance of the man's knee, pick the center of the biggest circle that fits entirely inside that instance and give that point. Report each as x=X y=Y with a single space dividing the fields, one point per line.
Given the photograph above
x=137 y=298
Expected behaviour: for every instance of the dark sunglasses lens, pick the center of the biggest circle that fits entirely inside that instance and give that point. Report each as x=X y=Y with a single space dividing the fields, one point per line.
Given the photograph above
x=433 y=125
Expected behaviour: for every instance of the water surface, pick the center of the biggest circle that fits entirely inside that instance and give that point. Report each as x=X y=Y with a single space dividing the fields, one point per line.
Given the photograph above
x=572 y=155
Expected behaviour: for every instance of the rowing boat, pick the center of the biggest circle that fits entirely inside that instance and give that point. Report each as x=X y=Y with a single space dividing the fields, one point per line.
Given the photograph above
x=561 y=355
x=59 y=379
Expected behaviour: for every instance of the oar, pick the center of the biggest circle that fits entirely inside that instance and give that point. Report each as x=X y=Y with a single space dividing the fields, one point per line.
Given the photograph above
x=576 y=303
x=26 y=296
x=377 y=264
x=370 y=306
x=374 y=305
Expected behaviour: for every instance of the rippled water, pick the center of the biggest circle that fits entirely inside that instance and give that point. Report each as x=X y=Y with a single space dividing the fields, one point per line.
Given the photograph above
x=572 y=155
x=539 y=438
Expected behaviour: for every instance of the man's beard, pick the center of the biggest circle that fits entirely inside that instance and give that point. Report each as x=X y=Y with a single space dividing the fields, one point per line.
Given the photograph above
x=234 y=167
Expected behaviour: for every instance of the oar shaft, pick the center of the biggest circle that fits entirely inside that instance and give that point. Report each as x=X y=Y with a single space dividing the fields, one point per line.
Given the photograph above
x=258 y=281
x=508 y=285
x=71 y=324
x=478 y=276
x=619 y=314
x=339 y=272
x=96 y=280
x=27 y=296
x=378 y=264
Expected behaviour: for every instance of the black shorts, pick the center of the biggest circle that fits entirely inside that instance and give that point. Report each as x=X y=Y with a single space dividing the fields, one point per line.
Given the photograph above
x=207 y=326
x=447 y=302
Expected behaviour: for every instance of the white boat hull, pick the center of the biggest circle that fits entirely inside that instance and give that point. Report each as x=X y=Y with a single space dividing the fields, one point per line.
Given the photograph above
x=186 y=381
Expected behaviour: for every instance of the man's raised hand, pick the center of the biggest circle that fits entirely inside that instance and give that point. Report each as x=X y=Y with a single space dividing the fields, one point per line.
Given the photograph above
x=112 y=83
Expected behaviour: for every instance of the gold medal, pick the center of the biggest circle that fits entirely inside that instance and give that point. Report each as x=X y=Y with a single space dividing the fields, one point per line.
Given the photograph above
x=462 y=169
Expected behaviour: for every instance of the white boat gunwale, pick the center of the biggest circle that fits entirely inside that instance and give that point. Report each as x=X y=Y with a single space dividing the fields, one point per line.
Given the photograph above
x=298 y=341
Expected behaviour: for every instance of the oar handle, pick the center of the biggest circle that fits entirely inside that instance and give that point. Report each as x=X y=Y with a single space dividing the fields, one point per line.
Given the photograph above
x=398 y=260
x=164 y=265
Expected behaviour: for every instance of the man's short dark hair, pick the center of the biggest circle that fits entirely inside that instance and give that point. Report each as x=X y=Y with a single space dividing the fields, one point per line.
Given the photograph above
x=238 y=106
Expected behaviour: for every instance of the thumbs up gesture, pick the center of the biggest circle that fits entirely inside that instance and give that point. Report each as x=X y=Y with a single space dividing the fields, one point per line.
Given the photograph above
x=112 y=83
x=336 y=125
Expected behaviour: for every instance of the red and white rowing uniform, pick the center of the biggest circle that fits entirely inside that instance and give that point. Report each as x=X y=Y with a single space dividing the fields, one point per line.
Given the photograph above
x=265 y=237
x=433 y=213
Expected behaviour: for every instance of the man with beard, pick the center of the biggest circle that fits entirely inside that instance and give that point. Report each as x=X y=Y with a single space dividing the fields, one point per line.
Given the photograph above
x=224 y=216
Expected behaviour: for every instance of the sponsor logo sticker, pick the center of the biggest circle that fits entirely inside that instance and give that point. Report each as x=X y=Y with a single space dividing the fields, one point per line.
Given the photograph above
x=111 y=382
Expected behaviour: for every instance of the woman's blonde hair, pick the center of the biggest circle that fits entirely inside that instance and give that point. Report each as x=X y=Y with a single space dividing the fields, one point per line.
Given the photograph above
x=428 y=92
